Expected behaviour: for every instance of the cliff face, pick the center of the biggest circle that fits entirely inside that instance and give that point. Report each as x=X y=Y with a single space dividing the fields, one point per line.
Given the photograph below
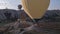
x=10 y=14
x=15 y=28
x=4 y=11
x=18 y=13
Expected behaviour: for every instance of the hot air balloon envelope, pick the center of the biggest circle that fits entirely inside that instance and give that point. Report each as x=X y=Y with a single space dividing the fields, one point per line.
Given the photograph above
x=35 y=8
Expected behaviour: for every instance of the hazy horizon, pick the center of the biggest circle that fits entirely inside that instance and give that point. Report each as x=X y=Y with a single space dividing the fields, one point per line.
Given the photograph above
x=13 y=4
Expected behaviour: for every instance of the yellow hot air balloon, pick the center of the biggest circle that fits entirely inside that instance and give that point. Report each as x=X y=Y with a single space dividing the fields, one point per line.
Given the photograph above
x=35 y=8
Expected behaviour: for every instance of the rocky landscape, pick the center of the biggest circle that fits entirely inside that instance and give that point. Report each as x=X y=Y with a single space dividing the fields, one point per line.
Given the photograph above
x=18 y=22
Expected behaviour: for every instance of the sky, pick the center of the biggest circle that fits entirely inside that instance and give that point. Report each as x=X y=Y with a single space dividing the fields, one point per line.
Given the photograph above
x=54 y=4
x=12 y=4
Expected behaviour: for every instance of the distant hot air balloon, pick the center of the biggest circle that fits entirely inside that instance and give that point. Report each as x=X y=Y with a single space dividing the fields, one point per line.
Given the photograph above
x=35 y=8
x=19 y=6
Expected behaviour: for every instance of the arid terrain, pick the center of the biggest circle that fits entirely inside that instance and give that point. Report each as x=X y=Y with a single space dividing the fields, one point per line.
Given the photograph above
x=18 y=24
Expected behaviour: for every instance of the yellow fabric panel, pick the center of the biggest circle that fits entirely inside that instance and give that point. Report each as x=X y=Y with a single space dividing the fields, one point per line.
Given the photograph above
x=35 y=8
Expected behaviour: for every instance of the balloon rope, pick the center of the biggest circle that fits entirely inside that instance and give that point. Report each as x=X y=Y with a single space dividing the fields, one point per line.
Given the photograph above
x=34 y=21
